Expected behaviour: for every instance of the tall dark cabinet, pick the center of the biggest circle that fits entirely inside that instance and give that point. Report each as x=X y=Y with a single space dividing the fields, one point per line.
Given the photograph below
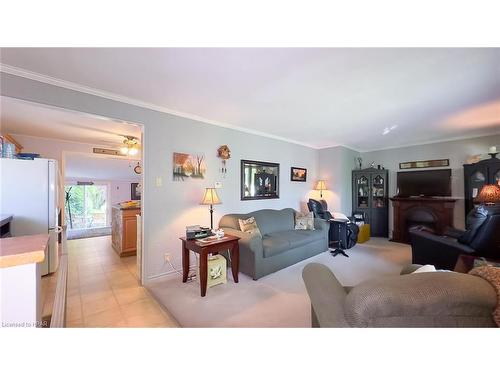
x=476 y=175
x=370 y=194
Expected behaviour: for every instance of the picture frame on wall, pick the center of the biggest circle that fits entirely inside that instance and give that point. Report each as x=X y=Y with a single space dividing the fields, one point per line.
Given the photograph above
x=259 y=180
x=425 y=164
x=135 y=191
x=298 y=174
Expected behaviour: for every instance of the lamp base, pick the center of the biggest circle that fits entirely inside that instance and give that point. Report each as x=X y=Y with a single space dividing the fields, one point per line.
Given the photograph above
x=493 y=154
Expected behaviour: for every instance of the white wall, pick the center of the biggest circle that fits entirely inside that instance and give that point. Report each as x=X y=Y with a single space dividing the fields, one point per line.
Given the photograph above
x=335 y=166
x=50 y=148
x=167 y=209
x=457 y=151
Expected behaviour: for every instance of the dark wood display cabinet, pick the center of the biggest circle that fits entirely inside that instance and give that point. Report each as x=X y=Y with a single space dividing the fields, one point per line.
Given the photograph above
x=476 y=176
x=370 y=190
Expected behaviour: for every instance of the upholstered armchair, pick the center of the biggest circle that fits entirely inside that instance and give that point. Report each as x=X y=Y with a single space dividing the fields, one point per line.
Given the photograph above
x=481 y=239
x=430 y=299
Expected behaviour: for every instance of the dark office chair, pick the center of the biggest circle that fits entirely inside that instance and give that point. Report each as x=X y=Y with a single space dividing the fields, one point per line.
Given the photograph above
x=348 y=236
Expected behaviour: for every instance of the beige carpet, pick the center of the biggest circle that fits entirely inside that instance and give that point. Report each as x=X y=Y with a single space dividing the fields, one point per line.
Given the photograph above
x=276 y=300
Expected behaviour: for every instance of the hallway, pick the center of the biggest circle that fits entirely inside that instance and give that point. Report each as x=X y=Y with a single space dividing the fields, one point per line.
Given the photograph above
x=103 y=290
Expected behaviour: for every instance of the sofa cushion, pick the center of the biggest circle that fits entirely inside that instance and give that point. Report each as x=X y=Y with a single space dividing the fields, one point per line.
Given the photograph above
x=270 y=221
x=279 y=242
x=274 y=244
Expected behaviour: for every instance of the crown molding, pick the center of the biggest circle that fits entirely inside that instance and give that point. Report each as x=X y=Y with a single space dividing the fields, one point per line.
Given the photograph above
x=444 y=140
x=8 y=69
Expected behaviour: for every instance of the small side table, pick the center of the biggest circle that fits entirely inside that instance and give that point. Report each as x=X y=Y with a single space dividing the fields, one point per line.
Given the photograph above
x=341 y=225
x=205 y=248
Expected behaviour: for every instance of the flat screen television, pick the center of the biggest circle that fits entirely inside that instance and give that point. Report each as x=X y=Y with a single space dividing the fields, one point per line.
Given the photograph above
x=432 y=183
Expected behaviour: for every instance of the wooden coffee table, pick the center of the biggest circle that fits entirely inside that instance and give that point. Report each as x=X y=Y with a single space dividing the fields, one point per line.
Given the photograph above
x=205 y=248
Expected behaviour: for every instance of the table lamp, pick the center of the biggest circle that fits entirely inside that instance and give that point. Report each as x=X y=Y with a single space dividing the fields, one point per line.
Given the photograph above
x=321 y=185
x=489 y=195
x=211 y=198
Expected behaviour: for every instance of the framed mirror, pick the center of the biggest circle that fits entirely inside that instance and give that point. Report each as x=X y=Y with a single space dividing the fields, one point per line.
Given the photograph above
x=259 y=180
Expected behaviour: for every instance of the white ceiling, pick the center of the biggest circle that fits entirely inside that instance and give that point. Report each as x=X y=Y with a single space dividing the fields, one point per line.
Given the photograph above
x=27 y=118
x=80 y=166
x=318 y=97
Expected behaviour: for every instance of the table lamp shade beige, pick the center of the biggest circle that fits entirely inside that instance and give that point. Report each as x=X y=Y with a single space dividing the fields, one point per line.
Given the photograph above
x=489 y=194
x=210 y=198
x=321 y=185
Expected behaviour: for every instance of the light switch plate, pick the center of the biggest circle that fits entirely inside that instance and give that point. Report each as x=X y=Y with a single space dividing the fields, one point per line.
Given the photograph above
x=159 y=182
x=218 y=185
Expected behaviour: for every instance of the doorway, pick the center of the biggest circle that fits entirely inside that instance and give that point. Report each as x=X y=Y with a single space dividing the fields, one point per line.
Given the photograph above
x=86 y=210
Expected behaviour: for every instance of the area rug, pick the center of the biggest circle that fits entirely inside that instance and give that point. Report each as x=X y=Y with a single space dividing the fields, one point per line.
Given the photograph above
x=74 y=234
x=276 y=300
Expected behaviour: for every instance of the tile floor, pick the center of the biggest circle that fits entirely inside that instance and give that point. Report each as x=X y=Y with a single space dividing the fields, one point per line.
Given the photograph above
x=103 y=290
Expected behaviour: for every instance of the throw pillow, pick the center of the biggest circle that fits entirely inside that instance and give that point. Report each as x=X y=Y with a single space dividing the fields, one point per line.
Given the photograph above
x=304 y=221
x=249 y=226
x=339 y=215
x=425 y=268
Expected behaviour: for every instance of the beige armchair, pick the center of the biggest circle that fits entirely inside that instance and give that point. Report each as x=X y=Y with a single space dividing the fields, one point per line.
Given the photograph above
x=432 y=299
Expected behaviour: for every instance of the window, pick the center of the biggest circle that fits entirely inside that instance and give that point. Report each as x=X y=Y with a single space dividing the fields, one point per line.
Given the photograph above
x=86 y=206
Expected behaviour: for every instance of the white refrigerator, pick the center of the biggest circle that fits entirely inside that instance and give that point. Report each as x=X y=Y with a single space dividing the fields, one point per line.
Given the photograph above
x=29 y=191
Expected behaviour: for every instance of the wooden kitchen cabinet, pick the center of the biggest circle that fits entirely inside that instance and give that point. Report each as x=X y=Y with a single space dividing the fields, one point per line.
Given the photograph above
x=124 y=230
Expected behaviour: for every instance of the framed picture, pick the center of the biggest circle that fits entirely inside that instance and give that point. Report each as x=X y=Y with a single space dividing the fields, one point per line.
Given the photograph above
x=298 y=174
x=425 y=164
x=135 y=191
x=186 y=166
x=259 y=180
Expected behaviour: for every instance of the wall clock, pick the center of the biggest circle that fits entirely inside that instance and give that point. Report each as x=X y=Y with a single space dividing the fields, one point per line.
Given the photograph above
x=138 y=169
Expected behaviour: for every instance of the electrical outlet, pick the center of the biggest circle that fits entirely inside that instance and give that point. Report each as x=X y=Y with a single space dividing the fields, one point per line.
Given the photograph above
x=159 y=182
x=167 y=257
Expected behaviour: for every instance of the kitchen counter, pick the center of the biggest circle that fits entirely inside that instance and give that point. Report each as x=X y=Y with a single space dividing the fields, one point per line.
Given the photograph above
x=20 y=272
x=15 y=251
x=118 y=207
x=124 y=230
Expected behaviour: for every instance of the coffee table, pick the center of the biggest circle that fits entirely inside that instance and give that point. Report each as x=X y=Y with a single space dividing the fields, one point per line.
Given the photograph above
x=205 y=248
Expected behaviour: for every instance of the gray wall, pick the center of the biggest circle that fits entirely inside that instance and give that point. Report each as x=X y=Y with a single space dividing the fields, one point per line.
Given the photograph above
x=335 y=166
x=169 y=208
x=457 y=151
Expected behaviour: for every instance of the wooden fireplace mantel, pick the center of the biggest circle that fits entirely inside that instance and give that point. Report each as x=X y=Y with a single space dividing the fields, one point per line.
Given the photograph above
x=440 y=208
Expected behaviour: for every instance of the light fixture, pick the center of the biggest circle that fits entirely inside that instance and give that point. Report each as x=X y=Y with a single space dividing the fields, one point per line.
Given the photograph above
x=130 y=146
x=211 y=198
x=489 y=195
x=321 y=185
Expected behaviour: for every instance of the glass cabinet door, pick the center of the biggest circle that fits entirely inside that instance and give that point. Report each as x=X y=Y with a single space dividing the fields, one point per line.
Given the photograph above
x=477 y=180
x=378 y=192
x=496 y=178
x=362 y=191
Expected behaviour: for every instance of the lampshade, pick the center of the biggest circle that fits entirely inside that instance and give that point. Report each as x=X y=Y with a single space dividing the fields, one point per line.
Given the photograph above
x=321 y=185
x=488 y=194
x=210 y=197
